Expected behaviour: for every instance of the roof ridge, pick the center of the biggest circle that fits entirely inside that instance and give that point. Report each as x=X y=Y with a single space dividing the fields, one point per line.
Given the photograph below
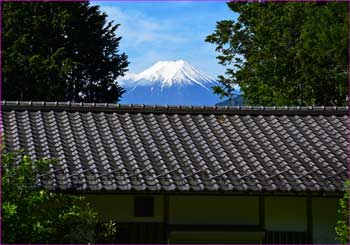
x=142 y=108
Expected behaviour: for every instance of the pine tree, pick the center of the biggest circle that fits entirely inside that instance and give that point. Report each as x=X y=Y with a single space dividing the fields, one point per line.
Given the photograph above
x=60 y=52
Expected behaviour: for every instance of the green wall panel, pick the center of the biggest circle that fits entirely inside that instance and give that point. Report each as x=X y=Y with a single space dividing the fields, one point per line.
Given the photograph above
x=324 y=219
x=121 y=207
x=285 y=214
x=214 y=210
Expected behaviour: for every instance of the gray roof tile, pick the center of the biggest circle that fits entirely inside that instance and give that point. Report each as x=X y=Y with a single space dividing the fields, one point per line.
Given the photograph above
x=174 y=148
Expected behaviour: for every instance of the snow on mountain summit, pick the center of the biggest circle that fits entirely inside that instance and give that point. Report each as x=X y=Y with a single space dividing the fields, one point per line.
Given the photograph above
x=167 y=73
x=169 y=83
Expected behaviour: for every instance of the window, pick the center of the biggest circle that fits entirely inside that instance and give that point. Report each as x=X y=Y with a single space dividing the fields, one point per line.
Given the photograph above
x=144 y=206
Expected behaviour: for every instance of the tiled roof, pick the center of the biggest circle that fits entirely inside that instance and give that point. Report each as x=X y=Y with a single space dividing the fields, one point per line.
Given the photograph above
x=168 y=148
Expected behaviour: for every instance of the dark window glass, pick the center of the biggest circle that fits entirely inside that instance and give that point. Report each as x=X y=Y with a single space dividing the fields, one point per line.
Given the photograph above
x=144 y=206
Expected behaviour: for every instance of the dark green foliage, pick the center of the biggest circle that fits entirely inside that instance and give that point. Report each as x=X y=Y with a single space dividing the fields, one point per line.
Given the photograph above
x=60 y=52
x=342 y=228
x=234 y=100
x=106 y=232
x=35 y=215
x=285 y=53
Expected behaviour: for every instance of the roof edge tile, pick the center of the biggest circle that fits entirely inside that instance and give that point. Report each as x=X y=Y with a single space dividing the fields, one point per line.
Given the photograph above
x=173 y=109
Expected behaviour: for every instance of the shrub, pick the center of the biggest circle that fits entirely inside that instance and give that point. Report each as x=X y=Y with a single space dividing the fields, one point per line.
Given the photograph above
x=31 y=214
x=342 y=228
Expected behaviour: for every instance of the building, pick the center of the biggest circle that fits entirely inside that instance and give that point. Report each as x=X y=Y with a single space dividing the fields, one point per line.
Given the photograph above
x=173 y=174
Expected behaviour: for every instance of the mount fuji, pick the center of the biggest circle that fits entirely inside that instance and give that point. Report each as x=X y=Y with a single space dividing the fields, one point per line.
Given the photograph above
x=169 y=83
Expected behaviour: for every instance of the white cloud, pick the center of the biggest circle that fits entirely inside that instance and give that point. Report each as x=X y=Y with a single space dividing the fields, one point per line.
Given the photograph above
x=137 y=28
x=177 y=30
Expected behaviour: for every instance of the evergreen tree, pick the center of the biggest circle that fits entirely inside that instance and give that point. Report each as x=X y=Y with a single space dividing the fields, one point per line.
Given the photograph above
x=60 y=52
x=285 y=53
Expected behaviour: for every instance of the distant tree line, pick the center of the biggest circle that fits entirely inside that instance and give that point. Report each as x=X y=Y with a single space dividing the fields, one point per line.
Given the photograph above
x=285 y=53
x=60 y=52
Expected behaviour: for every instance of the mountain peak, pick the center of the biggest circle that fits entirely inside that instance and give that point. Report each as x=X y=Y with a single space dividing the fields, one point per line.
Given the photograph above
x=168 y=73
x=175 y=63
x=171 y=62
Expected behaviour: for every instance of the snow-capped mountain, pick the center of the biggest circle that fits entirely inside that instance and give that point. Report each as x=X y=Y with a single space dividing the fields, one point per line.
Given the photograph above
x=171 y=83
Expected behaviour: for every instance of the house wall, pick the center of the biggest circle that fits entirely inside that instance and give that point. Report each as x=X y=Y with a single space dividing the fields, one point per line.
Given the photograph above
x=281 y=214
x=324 y=219
x=213 y=237
x=231 y=210
x=121 y=208
x=285 y=213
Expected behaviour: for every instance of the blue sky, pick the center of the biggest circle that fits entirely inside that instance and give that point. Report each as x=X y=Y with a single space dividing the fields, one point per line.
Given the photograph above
x=154 y=31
